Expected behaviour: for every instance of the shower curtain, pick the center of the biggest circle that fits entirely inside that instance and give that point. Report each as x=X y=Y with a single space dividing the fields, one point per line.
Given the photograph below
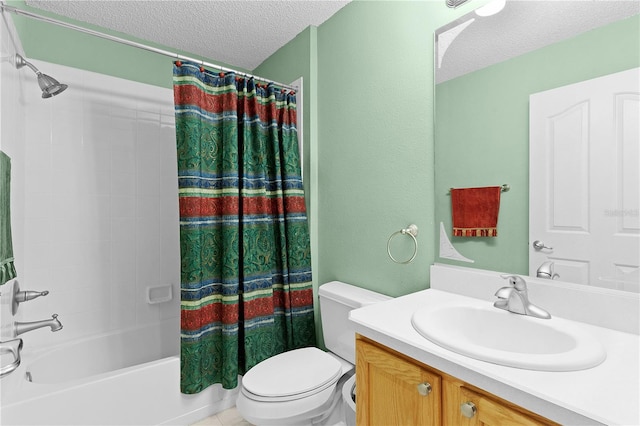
x=246 y=290
x=7 y=267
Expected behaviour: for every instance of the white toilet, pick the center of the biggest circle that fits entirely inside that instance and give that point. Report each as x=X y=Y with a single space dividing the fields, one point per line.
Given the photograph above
x=309 y=386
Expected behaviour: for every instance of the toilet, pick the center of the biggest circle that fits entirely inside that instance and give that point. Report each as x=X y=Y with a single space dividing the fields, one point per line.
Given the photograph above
x=309 y=386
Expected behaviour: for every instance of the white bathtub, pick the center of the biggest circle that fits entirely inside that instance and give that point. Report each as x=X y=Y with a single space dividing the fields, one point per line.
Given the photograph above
x=124 y=378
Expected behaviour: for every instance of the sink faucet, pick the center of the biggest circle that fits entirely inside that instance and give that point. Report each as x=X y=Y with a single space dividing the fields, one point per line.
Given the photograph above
x=515 y=299
x=546 y=271
x=23 y=327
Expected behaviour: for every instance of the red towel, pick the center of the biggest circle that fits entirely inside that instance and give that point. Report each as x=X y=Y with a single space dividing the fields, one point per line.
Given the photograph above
x=475 y=211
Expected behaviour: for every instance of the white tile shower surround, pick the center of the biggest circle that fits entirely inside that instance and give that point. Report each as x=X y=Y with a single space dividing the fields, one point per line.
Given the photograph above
x=12 y=128
x=98 y=223
x=228 y=417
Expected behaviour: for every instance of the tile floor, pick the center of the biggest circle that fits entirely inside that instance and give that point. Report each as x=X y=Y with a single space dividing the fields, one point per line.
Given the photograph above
x=229 y=417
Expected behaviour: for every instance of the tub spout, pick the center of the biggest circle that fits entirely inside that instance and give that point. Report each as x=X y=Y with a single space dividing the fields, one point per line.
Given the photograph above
x=54 y=323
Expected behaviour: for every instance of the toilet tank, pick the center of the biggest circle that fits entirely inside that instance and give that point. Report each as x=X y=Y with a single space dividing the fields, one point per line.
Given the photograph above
x=337 y=299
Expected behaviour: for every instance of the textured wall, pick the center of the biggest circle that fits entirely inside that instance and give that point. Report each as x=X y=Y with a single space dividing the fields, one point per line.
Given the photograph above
x=375 y=143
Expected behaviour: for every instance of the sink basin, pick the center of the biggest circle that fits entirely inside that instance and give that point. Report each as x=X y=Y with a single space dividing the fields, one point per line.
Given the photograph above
x=481 y=331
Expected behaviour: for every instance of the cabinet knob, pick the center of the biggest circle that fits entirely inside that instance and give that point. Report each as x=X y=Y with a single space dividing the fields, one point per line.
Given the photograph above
x=424 y=389
x=468 y=409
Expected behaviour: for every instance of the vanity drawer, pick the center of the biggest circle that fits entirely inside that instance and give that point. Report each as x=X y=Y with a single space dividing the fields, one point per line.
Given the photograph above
x=467 y=407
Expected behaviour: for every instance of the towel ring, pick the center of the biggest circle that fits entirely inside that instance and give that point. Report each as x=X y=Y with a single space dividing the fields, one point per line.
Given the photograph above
x=411 y=231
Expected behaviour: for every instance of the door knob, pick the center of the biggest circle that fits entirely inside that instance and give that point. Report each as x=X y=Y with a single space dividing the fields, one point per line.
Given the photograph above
x=424 y=389
x=468 y=409
x=539 y=245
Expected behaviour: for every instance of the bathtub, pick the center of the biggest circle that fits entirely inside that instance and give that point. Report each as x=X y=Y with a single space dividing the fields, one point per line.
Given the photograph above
x=129 y=377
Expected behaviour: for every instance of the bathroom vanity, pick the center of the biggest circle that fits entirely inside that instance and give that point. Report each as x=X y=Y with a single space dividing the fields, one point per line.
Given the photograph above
x=395 y=389
x=404 y=378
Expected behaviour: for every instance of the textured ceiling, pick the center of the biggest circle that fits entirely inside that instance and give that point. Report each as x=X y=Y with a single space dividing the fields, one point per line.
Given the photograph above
x=242 y=33
x=522 y=26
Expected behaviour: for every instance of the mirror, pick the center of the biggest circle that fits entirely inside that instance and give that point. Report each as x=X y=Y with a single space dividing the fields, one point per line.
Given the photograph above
x=486 y=70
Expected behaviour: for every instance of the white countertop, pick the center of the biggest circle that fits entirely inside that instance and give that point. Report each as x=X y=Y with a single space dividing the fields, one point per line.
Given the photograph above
x=608 y=393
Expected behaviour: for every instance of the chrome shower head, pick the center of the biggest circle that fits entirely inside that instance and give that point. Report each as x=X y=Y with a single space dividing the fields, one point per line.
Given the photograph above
x=49 y=85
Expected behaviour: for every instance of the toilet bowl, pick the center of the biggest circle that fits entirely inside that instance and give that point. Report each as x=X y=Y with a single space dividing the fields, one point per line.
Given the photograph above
x=349 y=401
x=309 y=386
x=296 y=387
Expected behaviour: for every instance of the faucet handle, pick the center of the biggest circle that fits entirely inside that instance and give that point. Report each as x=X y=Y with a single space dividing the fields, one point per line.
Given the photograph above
x=23 y=296
x=20 y=296
x=516 y=281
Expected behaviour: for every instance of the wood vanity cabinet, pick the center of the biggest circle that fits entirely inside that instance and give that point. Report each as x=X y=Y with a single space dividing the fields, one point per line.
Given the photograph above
x=393 y=389
x=387 y=391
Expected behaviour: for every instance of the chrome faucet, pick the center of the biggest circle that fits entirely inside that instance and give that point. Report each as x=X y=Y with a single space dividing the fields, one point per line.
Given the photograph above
x=23 y=327
x=546 y=271
x=23 y=296
x=515 y=299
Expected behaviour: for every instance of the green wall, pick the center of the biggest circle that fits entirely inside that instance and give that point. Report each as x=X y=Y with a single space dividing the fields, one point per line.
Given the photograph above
x=375 y=143
x=483 y=131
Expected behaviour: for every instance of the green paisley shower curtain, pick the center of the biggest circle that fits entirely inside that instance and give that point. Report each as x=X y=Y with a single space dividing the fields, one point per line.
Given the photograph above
x=246 y=289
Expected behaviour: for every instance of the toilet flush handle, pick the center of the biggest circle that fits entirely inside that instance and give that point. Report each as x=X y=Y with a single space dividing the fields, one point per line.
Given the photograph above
x=424 y=389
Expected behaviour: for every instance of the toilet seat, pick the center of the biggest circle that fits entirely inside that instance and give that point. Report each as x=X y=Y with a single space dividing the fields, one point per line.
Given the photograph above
x=292 y=375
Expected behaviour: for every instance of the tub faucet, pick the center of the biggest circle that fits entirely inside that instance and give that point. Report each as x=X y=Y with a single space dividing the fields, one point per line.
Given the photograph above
x=515 y=299
x=23 y=327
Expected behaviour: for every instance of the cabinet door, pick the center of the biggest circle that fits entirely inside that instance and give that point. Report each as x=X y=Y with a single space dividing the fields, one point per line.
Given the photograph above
x=392 y=390
x=465 y=407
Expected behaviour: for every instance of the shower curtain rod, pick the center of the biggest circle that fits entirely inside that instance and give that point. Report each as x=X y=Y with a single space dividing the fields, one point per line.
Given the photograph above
x=135 y=44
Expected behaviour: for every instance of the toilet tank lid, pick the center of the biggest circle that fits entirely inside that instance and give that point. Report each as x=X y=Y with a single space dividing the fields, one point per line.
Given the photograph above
x=350 y=295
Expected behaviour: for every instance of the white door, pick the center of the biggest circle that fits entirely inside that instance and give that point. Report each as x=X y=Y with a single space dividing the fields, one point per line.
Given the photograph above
x=584 y=185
